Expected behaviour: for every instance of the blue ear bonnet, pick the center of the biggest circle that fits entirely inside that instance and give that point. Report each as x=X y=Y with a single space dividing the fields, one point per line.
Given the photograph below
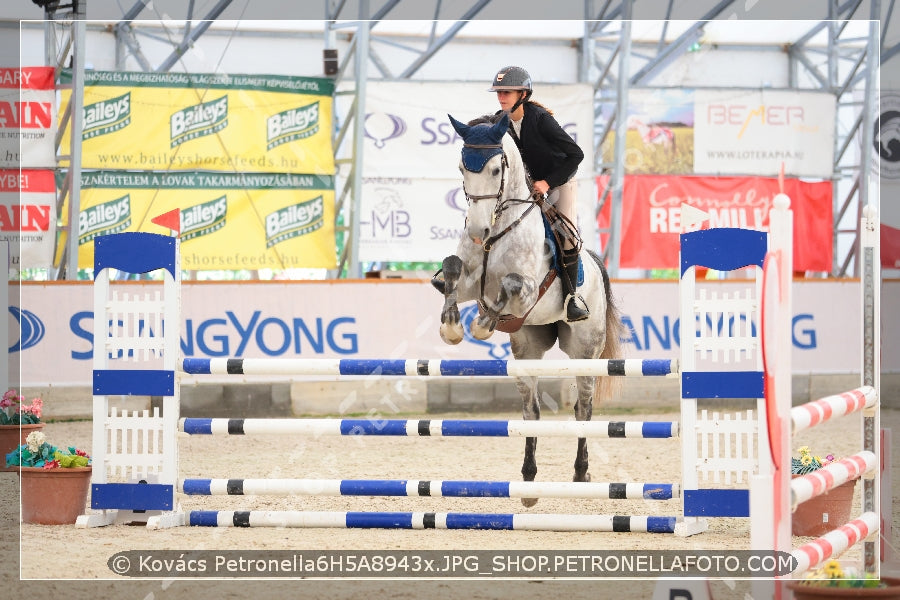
x=482 y=134
x=474 y=159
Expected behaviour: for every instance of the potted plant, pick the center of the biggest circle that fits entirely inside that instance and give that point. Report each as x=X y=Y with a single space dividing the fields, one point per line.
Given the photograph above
x=831 y=580
x=54 y=481
x=821 y=514
x=17 y=420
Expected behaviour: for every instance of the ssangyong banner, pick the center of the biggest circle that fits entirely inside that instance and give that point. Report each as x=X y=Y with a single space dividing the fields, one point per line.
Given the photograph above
x=216 y=122
x=28 y=216
x=229 y=221
x=27 y=117
x=651 y=210
x=53 y=331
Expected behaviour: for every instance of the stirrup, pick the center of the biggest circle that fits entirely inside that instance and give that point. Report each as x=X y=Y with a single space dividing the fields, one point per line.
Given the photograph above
x=437 y=281
x=574 y=312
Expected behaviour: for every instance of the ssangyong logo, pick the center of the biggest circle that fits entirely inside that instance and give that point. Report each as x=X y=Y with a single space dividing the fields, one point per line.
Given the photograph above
x=381 y=127
x=31 y=329
x=887 y=136
x=294 y=221
x=202 y=219
x=106 y=116
x=291 y=125
x=103 y=219
x=198 y=121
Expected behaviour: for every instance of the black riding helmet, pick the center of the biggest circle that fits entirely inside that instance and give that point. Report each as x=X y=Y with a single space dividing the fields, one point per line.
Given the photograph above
x=512 y=78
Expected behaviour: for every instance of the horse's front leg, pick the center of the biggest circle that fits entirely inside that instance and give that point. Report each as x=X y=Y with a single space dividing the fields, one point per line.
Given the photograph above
x=584 y=408
x=451 y=327
x=513 y=289
x=531 y=411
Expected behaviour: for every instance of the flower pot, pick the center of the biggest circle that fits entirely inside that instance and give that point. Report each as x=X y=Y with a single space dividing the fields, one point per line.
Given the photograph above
x=817 y=516
x=11 y=437
x=813 y=592
x=54 y=496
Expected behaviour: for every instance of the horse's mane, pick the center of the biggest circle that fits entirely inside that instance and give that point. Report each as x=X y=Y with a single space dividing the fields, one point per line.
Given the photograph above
x=485 y=119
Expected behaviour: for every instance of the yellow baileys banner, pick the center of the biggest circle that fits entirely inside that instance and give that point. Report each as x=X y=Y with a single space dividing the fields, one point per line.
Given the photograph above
x=229 y=221
x=215 y=122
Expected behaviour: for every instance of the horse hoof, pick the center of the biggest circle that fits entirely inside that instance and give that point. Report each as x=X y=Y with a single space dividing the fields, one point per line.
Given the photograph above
x=452 y=334
x=586 y=478
x=529 y=502
x=480 y=333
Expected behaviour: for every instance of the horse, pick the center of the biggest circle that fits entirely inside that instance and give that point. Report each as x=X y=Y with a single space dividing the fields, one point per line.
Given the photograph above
x=503 y=262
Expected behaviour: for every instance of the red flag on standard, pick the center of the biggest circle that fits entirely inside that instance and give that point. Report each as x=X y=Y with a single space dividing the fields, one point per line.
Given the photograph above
x=170 y=220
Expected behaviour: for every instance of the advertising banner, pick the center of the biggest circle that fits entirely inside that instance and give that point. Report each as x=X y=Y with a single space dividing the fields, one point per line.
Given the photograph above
x=28 y=216
x=727 y=132
x=228 y=221
x=395 y=319
x=412 y=205
x=217 y=122
x=27 y=118
x=651 y=209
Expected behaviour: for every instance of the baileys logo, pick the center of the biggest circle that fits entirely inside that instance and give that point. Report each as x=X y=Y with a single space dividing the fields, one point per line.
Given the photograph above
x=198 y=121
x=106 y=116
x=202 y=219
x=294 y=221
x=110 y=217
x=293 y=124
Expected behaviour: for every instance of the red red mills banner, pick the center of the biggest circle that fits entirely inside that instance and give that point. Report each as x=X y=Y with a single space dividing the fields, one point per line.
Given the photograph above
x=890 y=247
x=651 y=210
x=28 y=216
x=27 y=117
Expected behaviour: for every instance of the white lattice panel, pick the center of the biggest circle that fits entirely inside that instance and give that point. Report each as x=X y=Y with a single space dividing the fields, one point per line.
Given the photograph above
x=135 y=448
x=135 y=326
x=725 y=325
x=727 y=446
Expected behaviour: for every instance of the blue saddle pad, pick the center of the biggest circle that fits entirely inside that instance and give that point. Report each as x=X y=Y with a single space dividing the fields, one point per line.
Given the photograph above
x=556 y=252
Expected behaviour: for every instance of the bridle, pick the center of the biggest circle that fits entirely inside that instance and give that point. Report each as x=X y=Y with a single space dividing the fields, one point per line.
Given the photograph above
x=535 y=199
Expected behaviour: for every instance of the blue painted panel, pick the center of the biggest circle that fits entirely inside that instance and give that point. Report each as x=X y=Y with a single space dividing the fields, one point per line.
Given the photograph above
x=479 y=521
x=373 y=427
x=132 y=496
x=135 y=252
x=196 y=366
x=385 y=520
x=475 y=428
x=723 y=248
x=141 y=382
x=197 y=487
x=473 y=367
x=716 y=503
x=722 y=384
x=484 y=489
x=352 y=366
x=373 y=487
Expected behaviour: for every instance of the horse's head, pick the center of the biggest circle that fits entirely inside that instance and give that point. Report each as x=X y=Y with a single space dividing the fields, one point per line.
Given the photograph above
x=484 y=166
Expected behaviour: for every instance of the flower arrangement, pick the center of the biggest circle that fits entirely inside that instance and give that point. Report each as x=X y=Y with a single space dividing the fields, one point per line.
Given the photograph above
x=14 y=411
x=37 y=452
x=831 y=574
x=807 y=463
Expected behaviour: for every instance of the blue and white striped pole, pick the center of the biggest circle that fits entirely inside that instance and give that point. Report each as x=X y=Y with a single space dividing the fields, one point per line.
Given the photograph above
x=437 y=488
x=430 y=427
x=422 y=520
x=430 y=367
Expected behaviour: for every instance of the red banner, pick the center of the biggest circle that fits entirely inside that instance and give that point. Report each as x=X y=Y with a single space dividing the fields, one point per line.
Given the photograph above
x=890 y=247
x=651 y=211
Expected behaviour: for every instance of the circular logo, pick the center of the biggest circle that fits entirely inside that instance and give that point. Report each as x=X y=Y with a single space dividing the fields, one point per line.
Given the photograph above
x=887 y=136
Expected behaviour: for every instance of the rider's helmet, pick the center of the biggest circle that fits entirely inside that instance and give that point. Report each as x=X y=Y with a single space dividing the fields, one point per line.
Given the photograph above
x=512 y=78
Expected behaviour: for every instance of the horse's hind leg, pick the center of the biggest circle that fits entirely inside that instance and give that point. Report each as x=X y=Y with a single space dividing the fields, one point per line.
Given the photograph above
x=584 y=408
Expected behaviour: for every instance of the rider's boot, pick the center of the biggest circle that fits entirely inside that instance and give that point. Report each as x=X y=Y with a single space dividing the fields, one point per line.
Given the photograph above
x=576 y=308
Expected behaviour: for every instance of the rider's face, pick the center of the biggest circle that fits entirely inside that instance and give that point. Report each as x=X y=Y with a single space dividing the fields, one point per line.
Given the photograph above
x=507 y=98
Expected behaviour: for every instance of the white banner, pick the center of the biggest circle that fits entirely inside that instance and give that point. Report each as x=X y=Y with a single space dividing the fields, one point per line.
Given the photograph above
x=28 y=217
x=396 y=319
x=27 y=118
x=754 y=132
x=412 y=208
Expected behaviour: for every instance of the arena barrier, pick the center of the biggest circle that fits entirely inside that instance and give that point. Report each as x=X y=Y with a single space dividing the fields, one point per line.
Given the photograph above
x=774 y=493
x=720 y=358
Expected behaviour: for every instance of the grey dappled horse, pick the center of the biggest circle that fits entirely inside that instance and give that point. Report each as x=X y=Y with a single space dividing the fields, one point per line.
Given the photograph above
x=502 y=262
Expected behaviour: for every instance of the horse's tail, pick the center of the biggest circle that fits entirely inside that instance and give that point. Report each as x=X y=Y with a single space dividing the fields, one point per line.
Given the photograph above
x=606 y=387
